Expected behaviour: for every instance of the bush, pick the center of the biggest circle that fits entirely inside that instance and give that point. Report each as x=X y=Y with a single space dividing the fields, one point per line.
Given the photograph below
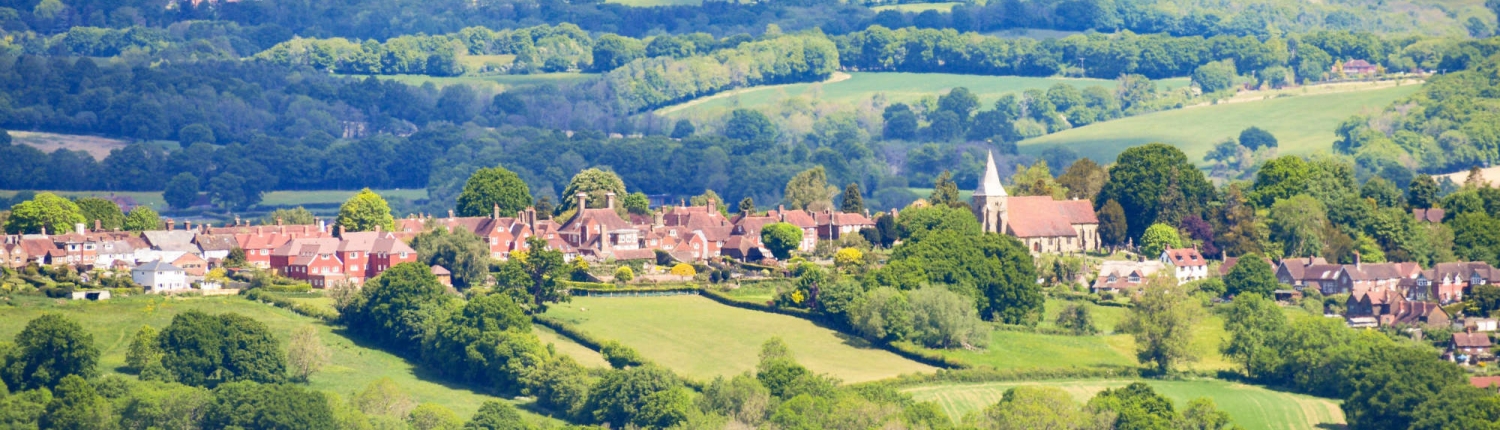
x=624 y=274
x=620 y=356
x=1077 y=319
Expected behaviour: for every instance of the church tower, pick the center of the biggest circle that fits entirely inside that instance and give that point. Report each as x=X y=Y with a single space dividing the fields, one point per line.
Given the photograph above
x=989 y=199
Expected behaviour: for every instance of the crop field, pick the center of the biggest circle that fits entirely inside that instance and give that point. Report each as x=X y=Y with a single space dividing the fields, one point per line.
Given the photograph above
x=701 y=339
x=1250 y=406
x=896 y=87
x=96 y=146
x=917 y=7
x=1303 y=124
x=352 y=365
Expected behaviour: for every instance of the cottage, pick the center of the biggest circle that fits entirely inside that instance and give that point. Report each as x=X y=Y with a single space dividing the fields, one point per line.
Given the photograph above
x=160 y=277
x=1359 y=67
x=444 y=276
x=1470 y=348
x=1118 y=276
x=1187 y=264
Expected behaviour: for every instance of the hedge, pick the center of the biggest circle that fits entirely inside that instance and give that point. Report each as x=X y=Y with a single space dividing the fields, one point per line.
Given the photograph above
x=570 y=331
x=256 y=294
x=1038 y=330
x=989 y=374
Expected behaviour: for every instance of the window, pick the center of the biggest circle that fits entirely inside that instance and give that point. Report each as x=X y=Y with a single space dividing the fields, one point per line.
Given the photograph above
x=403 y=255
x=265 y=252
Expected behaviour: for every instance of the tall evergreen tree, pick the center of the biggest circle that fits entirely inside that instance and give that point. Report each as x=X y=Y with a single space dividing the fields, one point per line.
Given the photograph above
x=852 y=202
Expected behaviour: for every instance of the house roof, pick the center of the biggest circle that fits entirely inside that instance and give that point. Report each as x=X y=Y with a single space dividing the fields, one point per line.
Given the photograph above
x=1471 y=340
x=216 y=242
x=440 y=270
x=634 y=254
x=161 y=239
x=1297 y=267
x=157 y=266
x=844 y=218
x=1484 y=381
x=1122 y=270
x=1038 y=216
x=1184 y=257
x=797 y=217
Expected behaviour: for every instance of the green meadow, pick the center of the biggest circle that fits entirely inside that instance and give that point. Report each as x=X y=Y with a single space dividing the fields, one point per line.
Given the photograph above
x=1304 y=124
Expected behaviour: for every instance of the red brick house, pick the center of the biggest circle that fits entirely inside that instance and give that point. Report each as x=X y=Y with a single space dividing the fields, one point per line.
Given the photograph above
x=1471 y=348
x=259 y=241
x=355 y=257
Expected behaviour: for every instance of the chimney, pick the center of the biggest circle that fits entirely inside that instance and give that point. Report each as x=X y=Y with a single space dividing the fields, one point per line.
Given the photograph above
x=98 y=225
x=278 y=220
x=583 y=199
x=609 y=200
x=341 y=230
x=711 y=207
x=495 y=214
x=260 y=231
x=450 y=214
x=171 y=224
x=377 y=228
x=658 y=219
x=236 y=220
x=1356 y=260
x=80 y=227
x=322 y=226
x=44 y=230
x=187 y=225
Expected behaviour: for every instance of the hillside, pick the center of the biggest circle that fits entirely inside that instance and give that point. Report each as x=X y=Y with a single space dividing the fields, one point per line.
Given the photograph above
x=1303 y=124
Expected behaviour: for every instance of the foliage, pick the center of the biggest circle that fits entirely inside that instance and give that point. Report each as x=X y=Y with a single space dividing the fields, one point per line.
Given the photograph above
x=781 y=238
x=306 y=354
x=848 y=257
x=1215 y=77
x=995 y=270
x=47 y=211
x=624 y=274
x=144 y=349
x=1391 y=385
x=1161 y=320
x=142 y=218
x=684 y=270
x=851 y=201
x=431 y=416
x=366 y=211
x=944 y=319
x=209 y=350
x=1255 y=138
x=628 y=396
x=463 y=253
x=1078 y=319
x=491 y=188
x=1142 y=175
x=1252 y=274
x=1159 y=237
x=390 y=307
x=809 y=190
x=1297 y=224
x=1251 y=319
x=944 y=191
x=294 y=216
x=76 y=405
x=105 y=212
x=50 y=348
x=917 y=222
x=594 y=182
x=620 y=356
x=1083 y=179
x=1458 y=406
x=638 y=203
x=182 y=190
x=252 y=405
x=881 y=314
x=1136 y=406
x=537 y=273
x=497 y=415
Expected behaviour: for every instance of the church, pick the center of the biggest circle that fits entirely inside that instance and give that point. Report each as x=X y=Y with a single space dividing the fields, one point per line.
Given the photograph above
x=1044 y=225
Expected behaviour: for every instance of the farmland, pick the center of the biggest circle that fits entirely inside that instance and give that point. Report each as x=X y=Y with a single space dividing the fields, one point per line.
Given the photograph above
x=1304 y=124
x=96 y=146
x=1250 y=406
x=701 y=339
x=896 y=87
x=918 y=7
x=353 y=365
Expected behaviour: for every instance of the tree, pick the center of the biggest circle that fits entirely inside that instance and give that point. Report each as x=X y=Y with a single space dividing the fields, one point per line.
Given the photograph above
x=1142 y=175
x=1083 y=179
x=1113 y=230
x=1216 y=76
x=1423 y=192
x=1159 y=237
x=900 y=122
x=497 y=415
x=1238 y=232
x=1256 y=138
x=1392 y=383
x=194 y=133
x=46 y=211
x=683 y=129
x=76 y=406
x=1458 y=407
x=624 y=396
x=142 y=218
x=1035 y=407
x=267 y=406
x=366 y=211
x=143 y=349
x=50 y=348
x=752 y=127
x=624 y=274
x=809 y=190
x=1381 y=191
x=595 y=183
x=1280 y=179
x=382 y=397
x=944 y=319
x=848 y=257
x=182 y=190
x=208 y=350
x=1203 y=414
x=781 y=238
x=1135 y=406
x=1161 y=320
x=463 y=253
x=995 y=270
x=105 y=212
x=1252 y=320
x=1077 y=319
x=491 y=188
x=1297 y=224
x=306 y=354
x=1251 y=275
x=852 y=201
x=684 y=270
x=639 y=204
x=294 y=216
x=1485 y=299
x=882 y=314
x=228 y=192
x=944 y=191
x=432 y=416
x=1036 y=181
x=538 y=272
x=960 y=101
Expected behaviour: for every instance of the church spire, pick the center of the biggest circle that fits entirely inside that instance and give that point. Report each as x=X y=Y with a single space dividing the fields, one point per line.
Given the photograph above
x=990 y=184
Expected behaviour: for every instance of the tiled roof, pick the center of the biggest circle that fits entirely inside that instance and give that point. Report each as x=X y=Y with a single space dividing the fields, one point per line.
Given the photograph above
x=1038 y=216
x=606 y=218
x=797 y=217
x=844 y=218
x=216 y=242
x=1297 y=267
x=1184 y=257
x=1471 y=340
x=162 y=238
x=157 y=266
x=440 y=270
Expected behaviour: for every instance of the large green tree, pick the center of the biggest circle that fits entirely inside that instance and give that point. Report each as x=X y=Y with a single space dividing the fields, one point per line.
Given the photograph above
x=852 y=202
x=366 y=211
x=538 y=272
x=1423 y=192
x=1158 y=238
x=595 y=183
x=752 y=127
x=1251 y=274
x=493 y=187
x=50 y=348
x=294 y=216
x=208 y=350
x=267 y=406
x=77 y=406
x=392 y=308
x=1161 y=319
x=1135 y=406
x=142 y=218
x=1279 y=179
x=46 y=211
x=497 y=415
x=1142 y=174
x=1297 y=224
x=182 y=190
x=462 y=252
x=106 y=212
x=810 y=190
x=1251 y=320
x=1113 y=228
x=994 y=270
x=781 y=239
x=1391 y=383
x=1458 y=406
x=944 y=191
x=623 y=397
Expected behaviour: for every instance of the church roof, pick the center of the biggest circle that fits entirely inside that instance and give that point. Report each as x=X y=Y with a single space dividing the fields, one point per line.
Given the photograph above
x=1039 y=216
x=990 y=184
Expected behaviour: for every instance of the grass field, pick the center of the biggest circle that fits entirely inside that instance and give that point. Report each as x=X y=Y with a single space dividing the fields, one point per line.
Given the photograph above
x=917 y=7
x=700 y=338
x=1303 y=124
x=96 y=146
x=1251 y=407
x=897 y=87
x=494 y=83
x=352 y=367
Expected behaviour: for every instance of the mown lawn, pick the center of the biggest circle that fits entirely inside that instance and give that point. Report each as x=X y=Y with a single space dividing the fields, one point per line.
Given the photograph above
x=896 y=87
x=1303 y=124
x=1250 y=406
x=701 y=339
x=352 y=365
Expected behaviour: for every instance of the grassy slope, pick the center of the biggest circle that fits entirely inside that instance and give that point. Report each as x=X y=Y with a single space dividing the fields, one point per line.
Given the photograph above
x=702 y=339
x=1302 y=124
x=897 y=87
x=352 y=366
x=1250 y=406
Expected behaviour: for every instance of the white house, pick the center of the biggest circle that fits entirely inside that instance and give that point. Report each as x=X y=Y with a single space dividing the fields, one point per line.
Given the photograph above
x=1187 y=264
x=159 y=277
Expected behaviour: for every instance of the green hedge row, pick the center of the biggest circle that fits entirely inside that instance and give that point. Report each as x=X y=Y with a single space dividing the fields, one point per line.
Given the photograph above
x=570 y=331
x=926 y=356
x=327 y=315
x=990 y=374
x=1038 y=330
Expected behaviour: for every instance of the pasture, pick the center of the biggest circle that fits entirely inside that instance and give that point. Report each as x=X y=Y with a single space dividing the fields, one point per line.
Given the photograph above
x=1250 y=406
x=1304 y=124
x=701 y=339
x=895 y=87
x=352 y=365
x=96 y=146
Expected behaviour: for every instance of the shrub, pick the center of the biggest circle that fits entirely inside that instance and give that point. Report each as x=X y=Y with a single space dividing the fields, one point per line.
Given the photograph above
x=624 y=274
x=684 y=270
x=1077 y=319
x=848 y=257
